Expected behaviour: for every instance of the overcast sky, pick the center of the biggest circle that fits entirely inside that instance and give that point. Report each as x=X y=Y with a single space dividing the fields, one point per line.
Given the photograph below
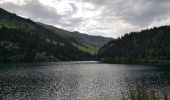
x=109 y=18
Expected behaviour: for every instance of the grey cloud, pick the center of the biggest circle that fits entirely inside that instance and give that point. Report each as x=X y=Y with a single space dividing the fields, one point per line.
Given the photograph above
x=152 y=11
x=136 y=12
x=34 y=10
x=74 y=7
x=46 y=14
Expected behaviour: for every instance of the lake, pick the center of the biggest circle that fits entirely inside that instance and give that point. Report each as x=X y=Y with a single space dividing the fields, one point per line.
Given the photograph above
x=86 y=80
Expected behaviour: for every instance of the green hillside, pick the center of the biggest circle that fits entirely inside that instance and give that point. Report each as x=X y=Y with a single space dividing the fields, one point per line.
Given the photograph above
x=24 y=40
x=84 y=42
x=18 y=45
x=147 y=46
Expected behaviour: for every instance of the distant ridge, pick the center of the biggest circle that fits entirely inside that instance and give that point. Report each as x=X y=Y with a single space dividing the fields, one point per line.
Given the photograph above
x=147 y=46
x=22 y=39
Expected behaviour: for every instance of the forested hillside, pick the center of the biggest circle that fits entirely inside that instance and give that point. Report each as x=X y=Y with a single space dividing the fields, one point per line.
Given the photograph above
x=147 y=46
x=25 y=40
x=84 y=42
x=18 y=45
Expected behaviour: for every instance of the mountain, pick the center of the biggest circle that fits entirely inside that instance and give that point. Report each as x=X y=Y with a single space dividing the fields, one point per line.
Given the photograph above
x=25 y=40
x=147 y=46
x=84 y=42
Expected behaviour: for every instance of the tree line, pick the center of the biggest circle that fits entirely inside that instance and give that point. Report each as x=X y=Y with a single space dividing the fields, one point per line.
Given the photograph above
x=147 y=46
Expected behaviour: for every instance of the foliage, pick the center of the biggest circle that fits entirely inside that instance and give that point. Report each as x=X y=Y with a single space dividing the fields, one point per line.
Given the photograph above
x=18 y=45
x=24 y=40
x=147 y=46
x=87 y=48
x=140 y=93
x=84 y=42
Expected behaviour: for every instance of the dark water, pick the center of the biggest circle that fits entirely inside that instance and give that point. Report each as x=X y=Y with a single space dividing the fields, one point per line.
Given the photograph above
x=77 y=80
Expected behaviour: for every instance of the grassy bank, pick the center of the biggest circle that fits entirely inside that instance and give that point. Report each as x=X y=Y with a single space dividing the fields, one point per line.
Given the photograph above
x=142 y=90
x=141 y=93
x=135 y=61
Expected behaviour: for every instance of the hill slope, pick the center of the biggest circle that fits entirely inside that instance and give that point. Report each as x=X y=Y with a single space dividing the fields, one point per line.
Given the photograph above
x=24 y=40
x=147 y=46
x=84 y=42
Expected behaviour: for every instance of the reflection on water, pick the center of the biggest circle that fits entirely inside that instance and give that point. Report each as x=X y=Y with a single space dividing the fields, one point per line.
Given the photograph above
x=77 y=80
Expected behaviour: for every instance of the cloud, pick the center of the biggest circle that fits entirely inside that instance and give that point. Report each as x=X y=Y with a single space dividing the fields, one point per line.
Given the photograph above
x=34 y=10
x=136 y=12
x=96 y=17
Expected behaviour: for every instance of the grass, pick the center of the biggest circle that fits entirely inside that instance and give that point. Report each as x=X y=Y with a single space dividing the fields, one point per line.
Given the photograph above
x=14 y=24
x=140 y=92
x=135 y=61
x=87 y=48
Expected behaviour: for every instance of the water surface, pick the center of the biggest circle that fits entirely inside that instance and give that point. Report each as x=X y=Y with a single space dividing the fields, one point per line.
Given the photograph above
x=77 y=80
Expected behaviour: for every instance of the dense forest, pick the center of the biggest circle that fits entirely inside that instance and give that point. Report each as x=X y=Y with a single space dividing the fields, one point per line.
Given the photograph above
x=147 y=46
x=18 y=45
x=25 y=40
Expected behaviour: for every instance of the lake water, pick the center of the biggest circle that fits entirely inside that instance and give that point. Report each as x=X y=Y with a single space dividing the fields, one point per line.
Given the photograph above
x=77 y=80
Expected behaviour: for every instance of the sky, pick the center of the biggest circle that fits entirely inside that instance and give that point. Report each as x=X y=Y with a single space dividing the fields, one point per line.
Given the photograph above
x=108 y=18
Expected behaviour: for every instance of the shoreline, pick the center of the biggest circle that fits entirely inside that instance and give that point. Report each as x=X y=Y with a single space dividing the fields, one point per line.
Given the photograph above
x=138 y=62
